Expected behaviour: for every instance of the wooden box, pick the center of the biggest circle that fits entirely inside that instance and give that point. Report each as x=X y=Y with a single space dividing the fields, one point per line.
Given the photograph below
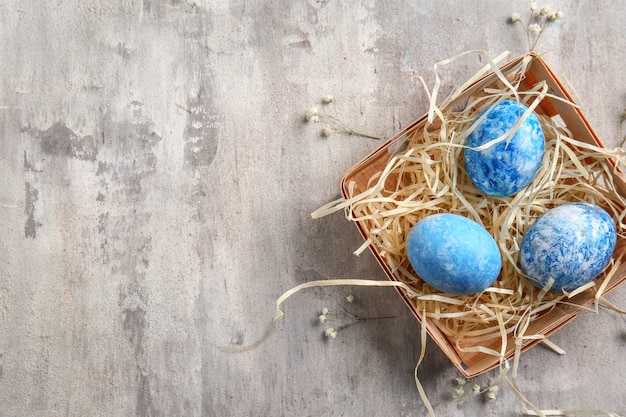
x=472 y=364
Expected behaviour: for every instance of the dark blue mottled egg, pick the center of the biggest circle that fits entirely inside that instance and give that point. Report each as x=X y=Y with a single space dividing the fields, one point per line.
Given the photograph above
x=453 y=254
x=506 y=167
x=571 y=244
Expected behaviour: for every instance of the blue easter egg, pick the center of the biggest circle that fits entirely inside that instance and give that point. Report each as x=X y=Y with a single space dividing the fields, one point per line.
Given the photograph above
x=453 y=254
x=571 y=244
x=506 y=167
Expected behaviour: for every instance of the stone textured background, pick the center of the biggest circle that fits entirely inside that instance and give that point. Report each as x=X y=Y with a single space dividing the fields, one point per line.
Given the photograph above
x=156 y=185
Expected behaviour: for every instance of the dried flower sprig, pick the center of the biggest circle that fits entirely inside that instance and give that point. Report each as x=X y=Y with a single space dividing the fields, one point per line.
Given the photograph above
x=536 y=23
x=331 y=332
x=621 y=123
x=459 y=394
x=332 y=124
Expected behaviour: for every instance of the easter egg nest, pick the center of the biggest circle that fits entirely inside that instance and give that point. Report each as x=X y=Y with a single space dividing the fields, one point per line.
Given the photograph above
x=420 y=172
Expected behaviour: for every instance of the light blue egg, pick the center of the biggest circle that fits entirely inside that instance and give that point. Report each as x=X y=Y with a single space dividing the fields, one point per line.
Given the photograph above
x=453 y=254
x=506 y=167
x=571 y=244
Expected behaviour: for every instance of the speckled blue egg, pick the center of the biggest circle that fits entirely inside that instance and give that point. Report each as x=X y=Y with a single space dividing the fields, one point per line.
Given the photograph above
x=571 y=243
x=506 y=167
x=453 y=254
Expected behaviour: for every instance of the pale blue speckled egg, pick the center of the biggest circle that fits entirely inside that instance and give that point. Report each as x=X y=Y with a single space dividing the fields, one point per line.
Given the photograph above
x=506 y=167
x=453 y=254
x=571 y=244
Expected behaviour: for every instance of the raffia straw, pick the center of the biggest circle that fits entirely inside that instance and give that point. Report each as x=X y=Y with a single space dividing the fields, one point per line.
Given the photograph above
x=428 y=177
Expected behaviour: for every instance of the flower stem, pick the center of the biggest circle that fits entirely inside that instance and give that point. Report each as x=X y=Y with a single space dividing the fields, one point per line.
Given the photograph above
x=349 y=130
x=360 y=318
x=530 y=19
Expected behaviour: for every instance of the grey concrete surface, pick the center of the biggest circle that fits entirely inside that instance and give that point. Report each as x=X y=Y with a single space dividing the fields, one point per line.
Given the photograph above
x=156 y=185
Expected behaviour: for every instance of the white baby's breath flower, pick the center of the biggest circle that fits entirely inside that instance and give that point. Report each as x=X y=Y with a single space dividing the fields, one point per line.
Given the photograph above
x=323 y=318
x=545 y=11
x=325 y=311
x=350 y=298
x=330 y=333
x=491 y=393
x=475 y=389
x=458 y=393
x=460 y=381
x=556 y=16
x=539 y=19
x=313 y=115
x=334 y=124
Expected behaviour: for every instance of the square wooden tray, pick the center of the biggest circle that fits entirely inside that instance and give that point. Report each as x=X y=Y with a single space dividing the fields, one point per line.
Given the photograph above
x=472 y=364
